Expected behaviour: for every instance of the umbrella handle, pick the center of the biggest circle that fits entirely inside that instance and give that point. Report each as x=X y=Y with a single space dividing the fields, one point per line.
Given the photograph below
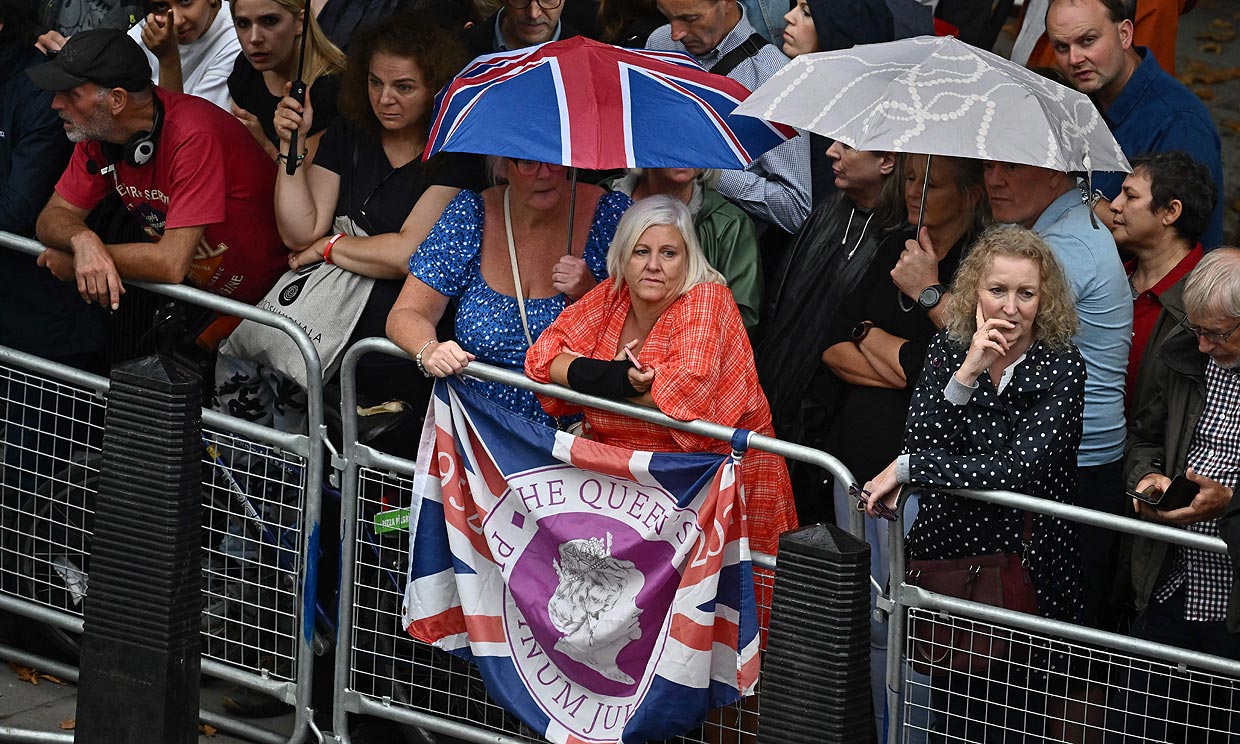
x=921 y=210
x=572 y=209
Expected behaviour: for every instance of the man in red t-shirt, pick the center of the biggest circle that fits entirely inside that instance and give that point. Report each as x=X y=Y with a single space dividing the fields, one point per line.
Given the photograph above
x=189 y=172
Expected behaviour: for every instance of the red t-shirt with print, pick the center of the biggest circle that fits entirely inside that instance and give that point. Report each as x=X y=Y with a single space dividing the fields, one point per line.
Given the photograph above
x=208 y=171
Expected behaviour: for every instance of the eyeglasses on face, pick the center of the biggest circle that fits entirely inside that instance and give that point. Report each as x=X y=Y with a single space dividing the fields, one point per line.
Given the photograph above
x=1212 y=336
x=530 y=167
x=523 y=4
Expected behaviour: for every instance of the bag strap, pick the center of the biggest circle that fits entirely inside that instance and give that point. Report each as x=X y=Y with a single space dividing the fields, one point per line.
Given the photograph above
x=1026 y=538
x=748 y=48
x=516 y=271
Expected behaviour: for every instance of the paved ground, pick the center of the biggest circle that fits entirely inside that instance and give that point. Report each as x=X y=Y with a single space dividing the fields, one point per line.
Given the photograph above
x=50 y=707
x=1208 y=61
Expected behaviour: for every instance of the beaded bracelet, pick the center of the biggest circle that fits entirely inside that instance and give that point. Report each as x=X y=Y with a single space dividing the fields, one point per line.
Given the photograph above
x=282 y=158
x=418 y=359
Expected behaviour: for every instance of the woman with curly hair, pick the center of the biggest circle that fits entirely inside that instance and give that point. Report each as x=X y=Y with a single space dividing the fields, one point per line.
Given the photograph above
x=369 y=199
x=998 y=406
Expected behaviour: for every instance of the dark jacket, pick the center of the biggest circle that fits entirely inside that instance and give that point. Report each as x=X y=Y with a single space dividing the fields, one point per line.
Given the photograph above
x=38 y=314
x=480 y=38
x=1161 y=428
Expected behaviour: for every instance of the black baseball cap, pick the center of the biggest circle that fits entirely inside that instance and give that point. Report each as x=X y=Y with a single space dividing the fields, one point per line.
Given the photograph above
x=103 y=56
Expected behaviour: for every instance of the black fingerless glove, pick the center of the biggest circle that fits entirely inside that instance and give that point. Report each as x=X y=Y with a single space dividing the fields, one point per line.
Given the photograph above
x=602 y=378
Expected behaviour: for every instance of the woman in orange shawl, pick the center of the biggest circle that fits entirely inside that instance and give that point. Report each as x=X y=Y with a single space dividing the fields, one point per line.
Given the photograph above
x=669 y=310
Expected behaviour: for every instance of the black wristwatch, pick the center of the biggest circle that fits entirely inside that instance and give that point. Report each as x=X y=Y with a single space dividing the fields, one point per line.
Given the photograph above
x=931 y=296
x=860 y=330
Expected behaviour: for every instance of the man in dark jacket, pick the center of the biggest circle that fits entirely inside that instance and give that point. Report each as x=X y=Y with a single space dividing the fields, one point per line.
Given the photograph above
x=518 y=24
x=1191 y=425
x=38 y=314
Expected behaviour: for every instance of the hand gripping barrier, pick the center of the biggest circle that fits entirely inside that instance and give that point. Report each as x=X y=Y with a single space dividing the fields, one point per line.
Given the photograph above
x=261 y=499
x=1072 y=682
x=384 y=673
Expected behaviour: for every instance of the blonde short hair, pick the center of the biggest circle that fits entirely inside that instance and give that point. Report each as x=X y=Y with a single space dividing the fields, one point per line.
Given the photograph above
x=1057 y=319
x=660 y=210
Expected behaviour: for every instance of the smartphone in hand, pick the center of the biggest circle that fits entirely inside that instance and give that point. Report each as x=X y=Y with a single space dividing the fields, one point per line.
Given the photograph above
x=633 y=358
x=1177 y=496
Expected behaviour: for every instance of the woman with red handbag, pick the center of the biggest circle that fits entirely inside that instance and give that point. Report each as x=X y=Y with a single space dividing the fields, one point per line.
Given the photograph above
x=998 y=406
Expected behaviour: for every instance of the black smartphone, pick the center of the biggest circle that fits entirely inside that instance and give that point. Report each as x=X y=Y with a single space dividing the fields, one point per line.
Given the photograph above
x=1177 y=496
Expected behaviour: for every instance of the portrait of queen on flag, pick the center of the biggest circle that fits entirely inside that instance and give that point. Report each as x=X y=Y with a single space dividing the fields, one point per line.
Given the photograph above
x=604 y=594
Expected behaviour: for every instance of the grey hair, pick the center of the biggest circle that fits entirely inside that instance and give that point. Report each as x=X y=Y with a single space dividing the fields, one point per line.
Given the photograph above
x=707 y=178
x=1213 y=287
x=650 y=212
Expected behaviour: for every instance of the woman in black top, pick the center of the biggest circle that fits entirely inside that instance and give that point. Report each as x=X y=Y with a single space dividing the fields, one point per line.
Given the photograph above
x=369 y=199
x=270 y=34
x=877 y=339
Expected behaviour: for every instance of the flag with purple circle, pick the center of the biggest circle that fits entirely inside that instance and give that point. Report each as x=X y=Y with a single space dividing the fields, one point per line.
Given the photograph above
x=604 y=594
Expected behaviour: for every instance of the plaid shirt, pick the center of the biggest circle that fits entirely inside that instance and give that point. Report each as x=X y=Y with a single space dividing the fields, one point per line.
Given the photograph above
x=1214 y=453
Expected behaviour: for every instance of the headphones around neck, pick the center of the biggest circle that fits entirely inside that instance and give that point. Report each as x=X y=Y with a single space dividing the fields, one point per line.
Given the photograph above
x=139 y=149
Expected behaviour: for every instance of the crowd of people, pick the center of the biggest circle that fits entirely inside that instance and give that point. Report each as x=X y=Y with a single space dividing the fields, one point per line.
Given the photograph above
x=1026 y=335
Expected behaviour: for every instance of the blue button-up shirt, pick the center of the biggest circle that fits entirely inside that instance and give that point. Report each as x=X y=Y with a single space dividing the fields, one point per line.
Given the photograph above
x=1156 y=113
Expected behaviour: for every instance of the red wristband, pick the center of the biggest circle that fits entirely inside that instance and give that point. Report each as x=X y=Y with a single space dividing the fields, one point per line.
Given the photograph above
x=327 y=248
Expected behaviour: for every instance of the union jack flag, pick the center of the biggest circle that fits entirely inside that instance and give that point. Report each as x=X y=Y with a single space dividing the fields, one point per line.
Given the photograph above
x=604 y=594
x=586 y=104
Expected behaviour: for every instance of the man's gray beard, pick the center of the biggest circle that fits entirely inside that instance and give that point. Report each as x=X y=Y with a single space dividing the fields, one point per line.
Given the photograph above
x=99 y=127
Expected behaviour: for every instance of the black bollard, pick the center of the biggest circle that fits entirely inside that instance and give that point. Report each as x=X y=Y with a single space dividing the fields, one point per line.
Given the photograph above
x=140 y=649
x=816 y=675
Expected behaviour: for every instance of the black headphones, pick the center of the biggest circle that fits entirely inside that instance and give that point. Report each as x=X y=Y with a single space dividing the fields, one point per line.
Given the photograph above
x=139 y=149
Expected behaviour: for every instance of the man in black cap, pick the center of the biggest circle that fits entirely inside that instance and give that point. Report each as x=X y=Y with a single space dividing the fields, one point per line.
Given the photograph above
x=199 y=184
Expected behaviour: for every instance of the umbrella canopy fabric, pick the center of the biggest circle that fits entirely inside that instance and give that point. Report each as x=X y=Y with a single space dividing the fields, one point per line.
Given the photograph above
x=939 y=96
x=581 y=103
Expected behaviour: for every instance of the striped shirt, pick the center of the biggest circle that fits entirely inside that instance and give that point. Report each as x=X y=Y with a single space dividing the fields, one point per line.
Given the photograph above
x=775 y=188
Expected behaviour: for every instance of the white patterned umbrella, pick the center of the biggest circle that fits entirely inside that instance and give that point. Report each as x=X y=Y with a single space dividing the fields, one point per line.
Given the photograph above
x=939 y=96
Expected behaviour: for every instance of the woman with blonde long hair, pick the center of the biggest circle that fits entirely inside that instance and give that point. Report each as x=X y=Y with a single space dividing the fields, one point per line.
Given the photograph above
x=998 y=406
x=270 y=35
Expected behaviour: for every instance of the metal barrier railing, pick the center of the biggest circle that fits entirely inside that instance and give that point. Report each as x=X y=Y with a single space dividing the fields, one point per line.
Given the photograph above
x=1043 y=681
x=261 y=499
x=380 y=670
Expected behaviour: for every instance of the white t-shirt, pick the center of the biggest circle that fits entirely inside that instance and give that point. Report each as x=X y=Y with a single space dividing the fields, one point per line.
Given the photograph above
x=205 y=62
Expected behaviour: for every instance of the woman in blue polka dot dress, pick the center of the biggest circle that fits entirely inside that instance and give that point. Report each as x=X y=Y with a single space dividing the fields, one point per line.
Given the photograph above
x=500 y=255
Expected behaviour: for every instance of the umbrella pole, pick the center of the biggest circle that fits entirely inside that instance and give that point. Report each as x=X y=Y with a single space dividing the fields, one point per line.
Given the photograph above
x=921 y=211
x=572 y=209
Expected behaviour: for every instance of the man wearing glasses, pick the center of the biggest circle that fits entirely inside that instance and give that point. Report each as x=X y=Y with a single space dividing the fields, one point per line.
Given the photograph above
x=1190 y=425
x=518 y=24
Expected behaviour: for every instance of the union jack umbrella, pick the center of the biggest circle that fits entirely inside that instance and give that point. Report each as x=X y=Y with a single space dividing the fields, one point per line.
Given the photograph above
x=586 y=104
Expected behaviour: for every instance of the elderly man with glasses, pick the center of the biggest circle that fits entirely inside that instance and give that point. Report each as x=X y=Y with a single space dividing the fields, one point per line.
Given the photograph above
x=1190 y=424
x=518 y=24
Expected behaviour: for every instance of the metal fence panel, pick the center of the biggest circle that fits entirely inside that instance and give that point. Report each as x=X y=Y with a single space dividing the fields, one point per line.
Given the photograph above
x=1041 y=679
x=1042 y=689
x=382 y=671
x=259 y=565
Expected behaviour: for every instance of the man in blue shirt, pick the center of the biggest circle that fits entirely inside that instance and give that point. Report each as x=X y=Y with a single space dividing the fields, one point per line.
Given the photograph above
x=1049 y=203
x=1147 y=109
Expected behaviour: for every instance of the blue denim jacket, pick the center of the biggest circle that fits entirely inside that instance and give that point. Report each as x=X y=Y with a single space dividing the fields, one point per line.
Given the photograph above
x=767 y=18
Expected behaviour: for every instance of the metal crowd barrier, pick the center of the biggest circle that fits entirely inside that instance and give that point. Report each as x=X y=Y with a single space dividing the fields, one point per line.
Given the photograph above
x=261 y=514
x=383 y=672
x=1066 y=682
